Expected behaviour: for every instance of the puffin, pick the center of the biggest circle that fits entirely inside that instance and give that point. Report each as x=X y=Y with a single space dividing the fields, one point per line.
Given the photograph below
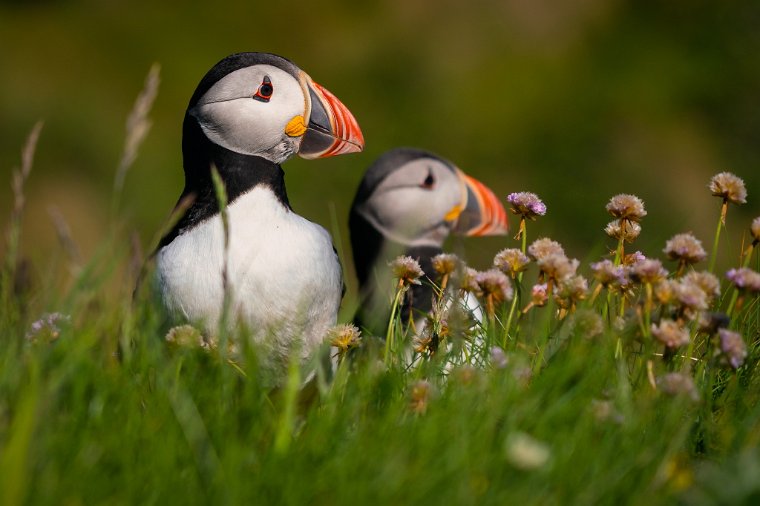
x=276 y=272
x=408 y=203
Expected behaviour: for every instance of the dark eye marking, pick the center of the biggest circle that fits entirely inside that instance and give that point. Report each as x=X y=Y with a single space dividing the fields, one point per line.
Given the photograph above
x=265 y=91
x=429 y=181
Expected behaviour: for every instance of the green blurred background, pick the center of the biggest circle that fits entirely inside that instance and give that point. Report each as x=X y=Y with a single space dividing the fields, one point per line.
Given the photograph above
x=573 y=100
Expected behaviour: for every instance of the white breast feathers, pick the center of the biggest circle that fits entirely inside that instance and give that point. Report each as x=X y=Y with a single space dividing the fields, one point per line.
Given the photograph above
x=284 y=276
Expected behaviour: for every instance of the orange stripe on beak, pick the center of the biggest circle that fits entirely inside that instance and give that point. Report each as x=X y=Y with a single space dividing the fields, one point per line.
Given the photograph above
x=348 y=135
x=332 y=129
x=484 y=214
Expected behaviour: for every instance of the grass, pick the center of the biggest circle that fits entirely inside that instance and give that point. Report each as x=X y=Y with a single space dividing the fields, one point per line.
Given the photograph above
x=576 y=408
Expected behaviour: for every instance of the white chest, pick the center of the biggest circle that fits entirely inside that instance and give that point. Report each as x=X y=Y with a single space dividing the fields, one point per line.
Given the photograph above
x=284 y=278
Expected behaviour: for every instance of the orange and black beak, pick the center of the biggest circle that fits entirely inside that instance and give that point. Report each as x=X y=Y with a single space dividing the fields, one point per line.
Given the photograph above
x=480 y=213
x=332 y=129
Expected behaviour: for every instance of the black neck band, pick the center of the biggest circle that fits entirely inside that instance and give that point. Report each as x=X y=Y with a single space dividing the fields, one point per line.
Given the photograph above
x=239 y=173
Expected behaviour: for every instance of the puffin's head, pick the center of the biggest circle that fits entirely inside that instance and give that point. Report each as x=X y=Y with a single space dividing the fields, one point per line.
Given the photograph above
x=262 y=104
x=416 y=198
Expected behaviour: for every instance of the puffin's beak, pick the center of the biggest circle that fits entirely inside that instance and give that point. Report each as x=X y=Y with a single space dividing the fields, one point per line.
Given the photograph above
x=332 y=129
x=481 y=213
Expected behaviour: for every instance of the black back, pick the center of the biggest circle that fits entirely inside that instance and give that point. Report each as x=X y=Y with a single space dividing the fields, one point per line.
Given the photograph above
x=372 y=252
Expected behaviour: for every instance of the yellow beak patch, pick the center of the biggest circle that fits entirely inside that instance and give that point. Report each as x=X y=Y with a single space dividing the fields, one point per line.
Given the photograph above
x=295 y=127
x=453 y=213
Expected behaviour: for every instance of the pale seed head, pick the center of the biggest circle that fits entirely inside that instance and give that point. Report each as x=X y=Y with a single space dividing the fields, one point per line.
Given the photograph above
x=626 y=207
x=665 y=291
x=544 y=247
x=495 y=283
x=468 y=280
x=570 y=291
x=607 y=273
x=755 y=228
x=511 y=261
x=685 y=248
x=671 y=334
x=557 y=267
x=445 y=263
x=407 y=270
x=728 y=186
x=629 y=230
x=690 y=296
x=185 y=336
x=345 y=337
x=707 y=281
x=648 y=270
x=732 y=347
x=745 y=278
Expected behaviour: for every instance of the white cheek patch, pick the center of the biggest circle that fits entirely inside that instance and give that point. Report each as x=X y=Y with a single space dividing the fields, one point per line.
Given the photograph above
x=240 y=125
x=402 y=209
x=231 y=118
x=410 y=214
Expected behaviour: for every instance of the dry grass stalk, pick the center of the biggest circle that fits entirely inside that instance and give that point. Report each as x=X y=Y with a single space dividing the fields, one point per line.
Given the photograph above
x=138 y=125
x=21 y=174
x=19 y=178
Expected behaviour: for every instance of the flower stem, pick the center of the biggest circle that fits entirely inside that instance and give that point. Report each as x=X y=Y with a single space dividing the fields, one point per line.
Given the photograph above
x=606 y=309
x=512 y=308
x=491 y=318
x=389 y=335
x=721 y=223
x=595 y=293
x=620 y=251
x=444 y=282
x=736 y=303
x=518 y=288
x=621 y=312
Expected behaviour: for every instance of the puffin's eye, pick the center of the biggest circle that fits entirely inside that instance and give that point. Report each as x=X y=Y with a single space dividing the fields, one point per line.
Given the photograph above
x=264 y=93
x=429 y=182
